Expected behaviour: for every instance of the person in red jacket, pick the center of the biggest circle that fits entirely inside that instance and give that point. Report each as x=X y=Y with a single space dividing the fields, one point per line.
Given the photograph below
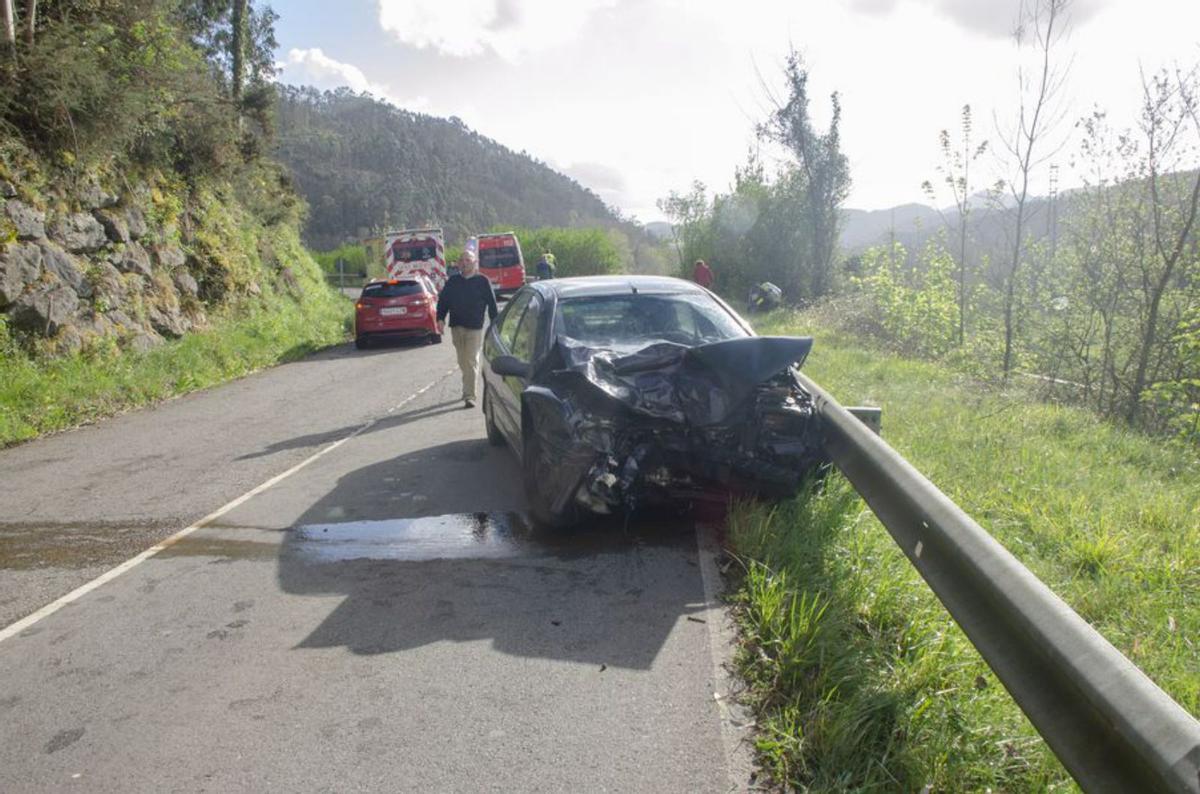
x=702 y=274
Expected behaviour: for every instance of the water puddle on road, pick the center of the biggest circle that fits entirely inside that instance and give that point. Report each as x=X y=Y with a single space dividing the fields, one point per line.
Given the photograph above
x=75 y=545
x=456 y=536
x=483 y=535
x=468 y=536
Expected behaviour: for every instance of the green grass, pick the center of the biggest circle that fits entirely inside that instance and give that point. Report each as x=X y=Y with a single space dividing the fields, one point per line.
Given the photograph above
x=860 y=679
x=39 y=396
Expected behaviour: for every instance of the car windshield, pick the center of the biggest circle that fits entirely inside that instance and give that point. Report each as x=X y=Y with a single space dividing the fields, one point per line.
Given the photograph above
x=392 y=290
x=501 y=256
x=636 y=320
x=414 y=252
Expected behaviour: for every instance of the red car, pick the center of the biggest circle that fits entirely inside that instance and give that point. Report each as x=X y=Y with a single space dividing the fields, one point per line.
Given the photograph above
x=396 y=307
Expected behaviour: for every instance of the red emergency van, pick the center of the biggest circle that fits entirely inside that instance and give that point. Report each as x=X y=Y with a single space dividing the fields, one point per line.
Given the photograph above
x=501 y=261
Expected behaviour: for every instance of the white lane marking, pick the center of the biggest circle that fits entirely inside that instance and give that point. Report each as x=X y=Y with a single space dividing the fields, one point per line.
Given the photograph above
x=736 y=722
x=108 y=576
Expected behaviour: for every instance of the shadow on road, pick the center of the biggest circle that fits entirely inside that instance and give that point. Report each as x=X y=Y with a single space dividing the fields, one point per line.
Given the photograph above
x=382 y=344
x=429 y=547
x=329 y=436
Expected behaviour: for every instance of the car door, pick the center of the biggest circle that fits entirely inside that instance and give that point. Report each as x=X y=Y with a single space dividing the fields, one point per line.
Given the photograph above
x=524 y=347
x=499 y=342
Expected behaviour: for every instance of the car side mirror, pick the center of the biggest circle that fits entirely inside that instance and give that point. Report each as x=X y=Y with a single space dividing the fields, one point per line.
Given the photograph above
x=511 y=366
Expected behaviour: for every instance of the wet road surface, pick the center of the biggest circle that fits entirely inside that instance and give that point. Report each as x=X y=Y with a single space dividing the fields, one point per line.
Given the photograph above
x=383 y=618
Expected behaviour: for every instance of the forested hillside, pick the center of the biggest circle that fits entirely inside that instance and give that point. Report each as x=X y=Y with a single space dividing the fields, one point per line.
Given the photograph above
x=364 y=165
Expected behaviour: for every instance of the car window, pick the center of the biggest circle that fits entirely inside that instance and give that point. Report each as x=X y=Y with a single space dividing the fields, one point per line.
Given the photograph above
x=392 y=290
x=526 y=339
x=512 y=318
x=636 y=320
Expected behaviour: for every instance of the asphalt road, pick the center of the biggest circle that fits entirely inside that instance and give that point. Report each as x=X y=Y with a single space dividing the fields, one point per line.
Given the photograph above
x=381 y=617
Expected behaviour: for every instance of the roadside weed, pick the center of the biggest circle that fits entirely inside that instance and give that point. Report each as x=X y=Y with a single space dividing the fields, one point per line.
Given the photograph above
x=859 y=677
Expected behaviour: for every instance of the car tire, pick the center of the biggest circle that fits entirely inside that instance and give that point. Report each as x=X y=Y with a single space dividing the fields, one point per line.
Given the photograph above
x=435 y=339
x=539 y=504
x=361 y=341
x=494 y=436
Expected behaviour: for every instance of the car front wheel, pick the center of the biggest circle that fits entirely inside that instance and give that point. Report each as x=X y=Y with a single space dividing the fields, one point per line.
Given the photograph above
x=540 y=503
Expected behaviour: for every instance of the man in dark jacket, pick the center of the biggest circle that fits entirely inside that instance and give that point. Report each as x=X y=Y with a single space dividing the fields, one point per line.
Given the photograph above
x=466 y=296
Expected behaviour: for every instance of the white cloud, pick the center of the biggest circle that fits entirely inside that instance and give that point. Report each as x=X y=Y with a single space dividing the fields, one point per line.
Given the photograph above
x=667 y=91
x=994 y=18
x=605 y=181
x=313 y=67
x=509 y=28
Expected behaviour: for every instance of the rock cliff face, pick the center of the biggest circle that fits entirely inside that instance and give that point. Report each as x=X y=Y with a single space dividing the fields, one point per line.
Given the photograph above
x=95 y=264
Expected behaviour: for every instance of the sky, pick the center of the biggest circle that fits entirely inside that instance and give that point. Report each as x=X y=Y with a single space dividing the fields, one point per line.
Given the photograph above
x=635 y=98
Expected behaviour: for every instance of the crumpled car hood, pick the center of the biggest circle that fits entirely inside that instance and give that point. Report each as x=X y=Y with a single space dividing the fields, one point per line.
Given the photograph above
x=701 y=386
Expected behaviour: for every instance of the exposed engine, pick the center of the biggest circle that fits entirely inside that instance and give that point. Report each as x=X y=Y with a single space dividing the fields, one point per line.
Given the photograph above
x=767 y=448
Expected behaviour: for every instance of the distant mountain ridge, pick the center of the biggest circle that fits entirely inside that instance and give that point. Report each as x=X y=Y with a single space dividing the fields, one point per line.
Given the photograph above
x=365 y=165
x=862 y=229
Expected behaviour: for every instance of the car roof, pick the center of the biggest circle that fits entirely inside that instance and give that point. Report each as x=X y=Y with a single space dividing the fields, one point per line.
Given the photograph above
x=580 y=286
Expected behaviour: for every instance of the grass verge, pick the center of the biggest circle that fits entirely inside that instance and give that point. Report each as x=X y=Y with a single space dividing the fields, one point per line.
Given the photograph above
x=859 y=677
x=41 y=396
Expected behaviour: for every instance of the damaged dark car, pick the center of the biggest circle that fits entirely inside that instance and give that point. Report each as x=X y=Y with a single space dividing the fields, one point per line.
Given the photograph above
x=616 y=392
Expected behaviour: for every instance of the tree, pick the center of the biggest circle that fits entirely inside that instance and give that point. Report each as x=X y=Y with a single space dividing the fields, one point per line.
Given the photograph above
x=10 y=30
x=1121 y=324
x=30 y=19
x=689 y=216
x=1169 y=112
x=236 y=37
x=824 y=172
x=237 y=49
x=1042 y=24
x=955 y=170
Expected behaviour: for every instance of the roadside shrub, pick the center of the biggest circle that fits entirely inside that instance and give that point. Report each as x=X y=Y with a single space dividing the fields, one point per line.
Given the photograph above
x=914 y=308
x=577 y=252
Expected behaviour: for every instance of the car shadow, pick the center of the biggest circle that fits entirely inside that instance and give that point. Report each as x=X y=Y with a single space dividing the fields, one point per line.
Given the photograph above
x=384 y=344
x=432 y=547
x=386 y=423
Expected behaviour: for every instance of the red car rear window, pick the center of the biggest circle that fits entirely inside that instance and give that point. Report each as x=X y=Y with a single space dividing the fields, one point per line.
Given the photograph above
x=397 y=290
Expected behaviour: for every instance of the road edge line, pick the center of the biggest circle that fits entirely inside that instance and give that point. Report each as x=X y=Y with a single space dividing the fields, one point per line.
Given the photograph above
x=14 y=629
x=737 y=724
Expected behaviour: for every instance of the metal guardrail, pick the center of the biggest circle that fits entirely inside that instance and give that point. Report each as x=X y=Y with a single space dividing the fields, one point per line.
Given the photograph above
x=1109 y=724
